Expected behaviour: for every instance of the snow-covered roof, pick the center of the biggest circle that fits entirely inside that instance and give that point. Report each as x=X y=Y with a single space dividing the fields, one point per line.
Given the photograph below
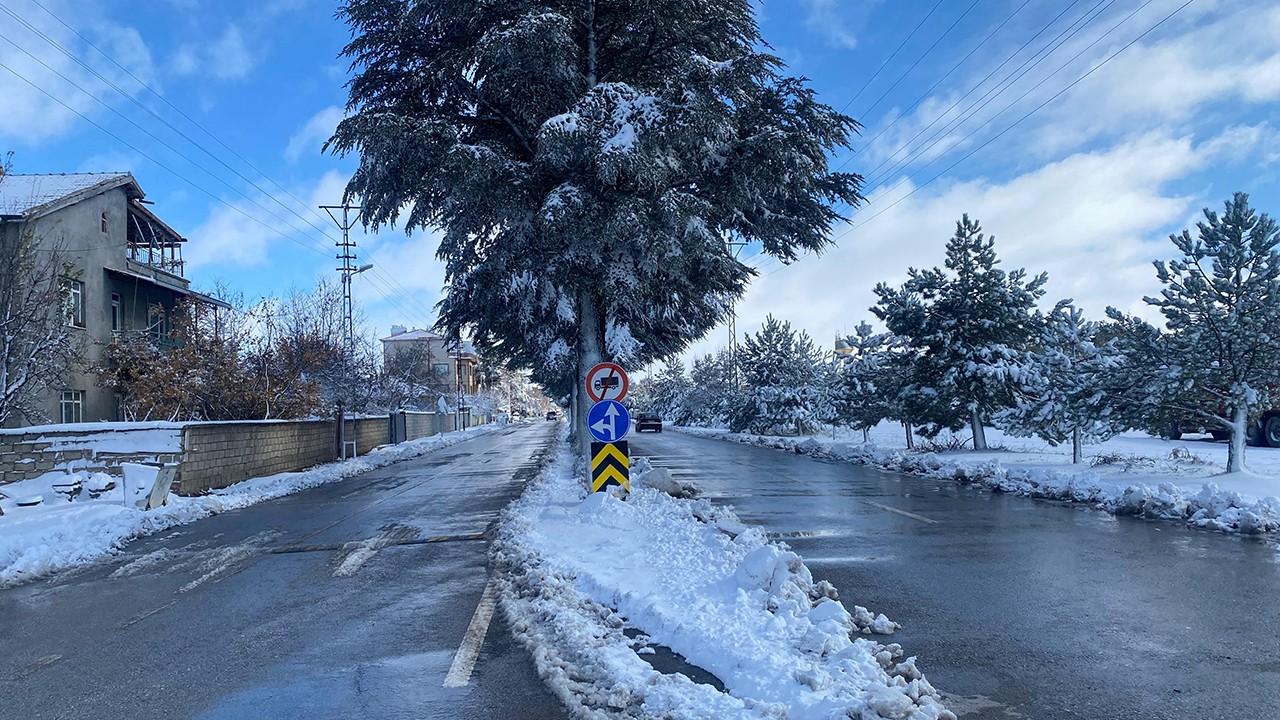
x=31 y=195
x=414 y=335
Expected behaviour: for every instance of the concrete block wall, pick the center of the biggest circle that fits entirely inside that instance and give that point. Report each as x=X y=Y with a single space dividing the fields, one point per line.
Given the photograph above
x=370 y=432
x=215 y=455
x=29 y=455
x=419 y=425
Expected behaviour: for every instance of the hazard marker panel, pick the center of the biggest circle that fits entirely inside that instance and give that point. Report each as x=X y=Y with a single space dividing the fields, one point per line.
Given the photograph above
x=610 y=465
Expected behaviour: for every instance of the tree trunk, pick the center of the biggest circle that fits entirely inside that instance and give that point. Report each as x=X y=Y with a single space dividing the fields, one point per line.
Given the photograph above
x=1077 y=450
x=590 y=353
x=911 y=443
x=1235 y=451
x=866 y=436
x=979 y=434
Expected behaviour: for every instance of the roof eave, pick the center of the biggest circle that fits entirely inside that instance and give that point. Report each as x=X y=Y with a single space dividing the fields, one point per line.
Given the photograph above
x=126 y=180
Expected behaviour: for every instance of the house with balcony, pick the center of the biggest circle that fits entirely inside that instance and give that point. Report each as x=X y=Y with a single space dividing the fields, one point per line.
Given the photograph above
x=128 y=269
x=453 y=364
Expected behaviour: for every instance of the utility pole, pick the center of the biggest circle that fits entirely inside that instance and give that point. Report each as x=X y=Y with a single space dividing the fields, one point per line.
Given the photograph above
x=733 y=247
x=347 y=256
x=457 y=371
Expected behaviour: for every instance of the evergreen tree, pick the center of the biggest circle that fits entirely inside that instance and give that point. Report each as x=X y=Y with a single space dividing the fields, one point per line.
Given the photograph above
x=587 y=162
x=786 y=382
x=966 y=327
x=863 y=396
x=670 y=388
x=1221 y=304
x=1064 y=385
x=711 y=396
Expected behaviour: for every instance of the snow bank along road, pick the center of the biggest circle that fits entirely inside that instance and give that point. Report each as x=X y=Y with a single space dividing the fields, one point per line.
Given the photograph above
x=1019 y=608
x=325 y=604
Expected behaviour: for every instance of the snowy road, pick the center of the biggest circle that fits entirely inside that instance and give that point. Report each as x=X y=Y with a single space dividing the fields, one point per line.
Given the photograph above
x=1019 y=608
x=326 y=604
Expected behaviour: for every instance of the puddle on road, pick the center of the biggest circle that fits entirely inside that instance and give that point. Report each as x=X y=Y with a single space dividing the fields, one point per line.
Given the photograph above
x=669 y=662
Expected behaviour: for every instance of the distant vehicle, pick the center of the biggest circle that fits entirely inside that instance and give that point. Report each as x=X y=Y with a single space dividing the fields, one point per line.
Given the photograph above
x=648 y=421
x=551 y=415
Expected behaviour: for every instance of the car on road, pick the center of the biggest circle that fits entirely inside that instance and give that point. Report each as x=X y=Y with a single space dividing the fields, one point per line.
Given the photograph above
x=648 y=421
x=551 y=415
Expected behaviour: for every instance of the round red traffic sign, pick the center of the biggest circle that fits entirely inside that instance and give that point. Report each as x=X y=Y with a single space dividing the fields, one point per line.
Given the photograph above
x=606 y=381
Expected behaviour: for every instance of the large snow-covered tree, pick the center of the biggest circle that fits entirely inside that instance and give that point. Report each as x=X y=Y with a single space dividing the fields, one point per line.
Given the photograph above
x=1221 y=304
x=38 y=346
x=787 y=382
x=587 y=161
x=1064 y=385
x=966 y=325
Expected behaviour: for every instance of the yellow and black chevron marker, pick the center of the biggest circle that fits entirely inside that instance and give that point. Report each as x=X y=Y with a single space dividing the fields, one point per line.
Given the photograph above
x=610 y=465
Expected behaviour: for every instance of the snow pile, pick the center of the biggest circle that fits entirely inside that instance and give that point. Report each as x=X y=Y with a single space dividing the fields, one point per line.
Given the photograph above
x=1163 y=491
x=577 y=570
x=99 y=520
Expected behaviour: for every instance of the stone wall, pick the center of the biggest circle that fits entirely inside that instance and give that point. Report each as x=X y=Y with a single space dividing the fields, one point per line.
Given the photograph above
x=34 y=452
x=370 y=432
x=215 y=455
x=212 y=455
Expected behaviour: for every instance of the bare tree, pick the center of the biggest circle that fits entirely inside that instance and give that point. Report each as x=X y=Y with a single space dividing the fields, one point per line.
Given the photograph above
x=38 y=346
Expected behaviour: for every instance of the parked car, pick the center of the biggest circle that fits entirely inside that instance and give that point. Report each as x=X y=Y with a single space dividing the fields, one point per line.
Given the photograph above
x=648 y=421
x=551 y=415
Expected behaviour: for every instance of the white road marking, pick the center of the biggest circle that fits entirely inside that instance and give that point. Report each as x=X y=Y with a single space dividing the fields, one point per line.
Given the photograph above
x=358 y=554
x=914 y=516
x=464 y=661
x=223 y=566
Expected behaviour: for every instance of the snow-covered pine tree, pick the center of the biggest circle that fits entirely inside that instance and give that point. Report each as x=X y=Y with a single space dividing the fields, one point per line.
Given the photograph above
x=711 y=396
x=1221 y=304
x=861 y=394
x=670 y=388
x=587 y=161
x=785 y=376
x=966 y=326
x=1063 y=385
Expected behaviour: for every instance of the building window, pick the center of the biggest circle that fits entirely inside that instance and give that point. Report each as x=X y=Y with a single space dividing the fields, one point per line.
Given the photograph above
x=442 y=369
x=116 y=320
x=72 y=406
x=73 y=296
x=104 y=222
x=159 y=324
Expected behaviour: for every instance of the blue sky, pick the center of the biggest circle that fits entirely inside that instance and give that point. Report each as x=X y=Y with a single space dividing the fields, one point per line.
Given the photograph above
x=1079 y=160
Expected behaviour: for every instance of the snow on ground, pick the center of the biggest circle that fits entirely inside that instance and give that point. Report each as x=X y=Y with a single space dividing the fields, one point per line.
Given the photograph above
x=1131 y=474
x=576 y=570
x=57 y=534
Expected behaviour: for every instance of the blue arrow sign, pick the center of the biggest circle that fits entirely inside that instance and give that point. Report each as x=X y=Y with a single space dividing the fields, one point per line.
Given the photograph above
x=608 y=421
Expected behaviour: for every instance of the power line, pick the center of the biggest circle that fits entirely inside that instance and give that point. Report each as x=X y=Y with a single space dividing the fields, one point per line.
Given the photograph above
x=892 y=55
x=992 y=93
x=940 y=80
x=920 y=59
x=388 y=281
x=1033 y=111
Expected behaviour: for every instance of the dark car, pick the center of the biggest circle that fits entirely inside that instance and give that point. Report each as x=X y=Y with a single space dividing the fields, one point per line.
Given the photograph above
x=551 y=415
x=648 y=421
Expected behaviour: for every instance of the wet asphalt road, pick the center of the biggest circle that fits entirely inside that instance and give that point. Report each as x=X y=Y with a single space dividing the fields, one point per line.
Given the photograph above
x=1019 y=608
x=206 y=621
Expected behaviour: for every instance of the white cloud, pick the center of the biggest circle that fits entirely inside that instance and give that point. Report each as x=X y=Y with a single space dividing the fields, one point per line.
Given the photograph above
x=313 y=135
x=1204 y=60
x=828 y=19
x=1094 y=221
x=31 y=116
x=225 y=58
